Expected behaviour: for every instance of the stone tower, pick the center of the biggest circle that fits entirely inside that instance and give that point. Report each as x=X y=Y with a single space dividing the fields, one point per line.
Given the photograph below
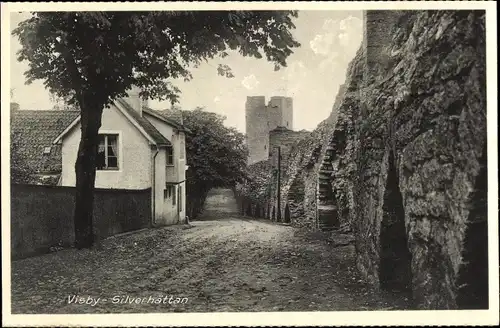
x=260 y=119
x=377 y=38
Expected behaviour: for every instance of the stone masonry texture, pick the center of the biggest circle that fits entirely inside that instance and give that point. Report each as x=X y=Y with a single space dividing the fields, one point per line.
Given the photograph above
x=261 y=119
x=401 y=159
x=285 y=139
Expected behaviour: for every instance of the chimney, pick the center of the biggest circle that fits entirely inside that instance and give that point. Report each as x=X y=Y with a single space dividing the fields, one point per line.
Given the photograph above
x=14 y=106
x=134 y=100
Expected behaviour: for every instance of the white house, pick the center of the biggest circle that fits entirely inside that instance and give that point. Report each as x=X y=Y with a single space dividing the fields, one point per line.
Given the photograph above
x=139 y=149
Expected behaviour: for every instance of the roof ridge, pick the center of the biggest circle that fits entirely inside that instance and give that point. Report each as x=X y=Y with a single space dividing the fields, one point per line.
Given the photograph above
x=168 y=120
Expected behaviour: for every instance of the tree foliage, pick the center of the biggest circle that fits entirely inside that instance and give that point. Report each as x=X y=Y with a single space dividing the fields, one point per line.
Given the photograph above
x=92 y=58
x=61 y=103
x=73 y=52
x=19 y=171
x=216 y=154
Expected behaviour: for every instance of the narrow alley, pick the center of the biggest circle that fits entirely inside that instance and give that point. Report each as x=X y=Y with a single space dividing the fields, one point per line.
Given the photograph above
x=221 y=263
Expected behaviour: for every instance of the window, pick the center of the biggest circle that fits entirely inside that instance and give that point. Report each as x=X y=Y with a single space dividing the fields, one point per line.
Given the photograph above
x=46 y=150
x=170 y=156
x=107 y=152
x=168 y=192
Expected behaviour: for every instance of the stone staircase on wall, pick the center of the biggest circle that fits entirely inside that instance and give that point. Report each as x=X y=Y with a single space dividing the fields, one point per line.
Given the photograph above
x=327 y=207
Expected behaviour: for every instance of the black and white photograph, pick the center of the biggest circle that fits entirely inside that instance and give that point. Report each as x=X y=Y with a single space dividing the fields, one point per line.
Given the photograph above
x=241 y=164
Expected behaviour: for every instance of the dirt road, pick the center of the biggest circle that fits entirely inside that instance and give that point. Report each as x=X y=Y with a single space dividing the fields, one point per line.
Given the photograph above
x=222 y=263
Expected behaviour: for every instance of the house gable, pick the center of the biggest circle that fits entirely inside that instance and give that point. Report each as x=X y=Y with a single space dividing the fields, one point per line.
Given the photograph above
x=167 y=130
x=133 y=154
x=134 y=118
x=142 y=124
x=175 y=172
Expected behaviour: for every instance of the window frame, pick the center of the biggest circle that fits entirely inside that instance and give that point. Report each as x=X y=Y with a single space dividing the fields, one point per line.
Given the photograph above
x=168 y=191
x=106 y=136
x=170 y=155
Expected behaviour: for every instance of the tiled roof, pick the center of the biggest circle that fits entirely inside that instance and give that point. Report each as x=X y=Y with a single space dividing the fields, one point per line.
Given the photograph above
x=33 y=131
x=145 y=124
x=171 y=116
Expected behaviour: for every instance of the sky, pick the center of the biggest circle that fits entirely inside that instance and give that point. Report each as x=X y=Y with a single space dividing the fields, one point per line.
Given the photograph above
x=329 y=41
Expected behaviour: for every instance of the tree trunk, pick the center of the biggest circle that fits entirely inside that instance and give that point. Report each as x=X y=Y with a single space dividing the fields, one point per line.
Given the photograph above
x=85 y=169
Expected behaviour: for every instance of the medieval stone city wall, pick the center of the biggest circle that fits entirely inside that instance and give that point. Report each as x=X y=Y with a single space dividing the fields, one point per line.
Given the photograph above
x=401 y=161
x=285 y=139
x=421 y=159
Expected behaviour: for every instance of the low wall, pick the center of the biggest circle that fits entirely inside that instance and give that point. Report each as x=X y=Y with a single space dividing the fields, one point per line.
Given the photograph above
x=42 y=216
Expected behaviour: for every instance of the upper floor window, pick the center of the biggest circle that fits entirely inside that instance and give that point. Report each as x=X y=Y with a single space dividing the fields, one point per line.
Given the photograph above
x=170 y=156
x=107 y=152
